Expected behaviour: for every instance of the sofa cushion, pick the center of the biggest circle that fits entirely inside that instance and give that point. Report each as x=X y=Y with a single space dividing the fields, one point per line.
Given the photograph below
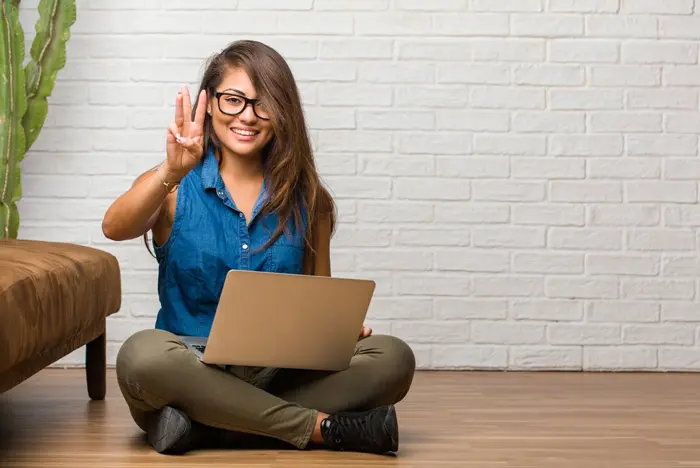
x=49 y=292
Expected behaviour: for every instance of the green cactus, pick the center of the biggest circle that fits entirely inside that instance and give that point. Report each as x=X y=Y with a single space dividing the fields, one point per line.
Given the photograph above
x=24 y=92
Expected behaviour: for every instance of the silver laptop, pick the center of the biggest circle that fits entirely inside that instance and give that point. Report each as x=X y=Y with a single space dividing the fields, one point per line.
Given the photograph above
x=285 y=321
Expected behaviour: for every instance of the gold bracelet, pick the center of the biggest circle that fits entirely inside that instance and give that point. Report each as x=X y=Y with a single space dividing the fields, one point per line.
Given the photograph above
x=169 y=186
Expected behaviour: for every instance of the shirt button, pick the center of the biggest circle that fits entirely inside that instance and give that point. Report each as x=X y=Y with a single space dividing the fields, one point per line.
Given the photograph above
x=245 y=246
x=220 y=193
x=240 y=215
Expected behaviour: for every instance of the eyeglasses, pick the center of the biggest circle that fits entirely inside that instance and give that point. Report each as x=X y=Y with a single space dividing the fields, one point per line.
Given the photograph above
x=234 y=104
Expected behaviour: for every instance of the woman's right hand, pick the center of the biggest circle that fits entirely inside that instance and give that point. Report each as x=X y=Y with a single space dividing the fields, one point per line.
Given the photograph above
x=184 y=138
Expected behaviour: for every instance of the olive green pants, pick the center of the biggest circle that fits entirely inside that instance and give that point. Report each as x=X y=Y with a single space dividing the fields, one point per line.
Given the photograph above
x=155 y=369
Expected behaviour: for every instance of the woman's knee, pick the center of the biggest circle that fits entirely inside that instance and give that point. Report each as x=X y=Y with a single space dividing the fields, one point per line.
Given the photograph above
x=145 y=353
x=399 y=361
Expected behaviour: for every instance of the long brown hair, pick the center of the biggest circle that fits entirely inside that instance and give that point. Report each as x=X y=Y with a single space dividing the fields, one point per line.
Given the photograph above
x=293 y=183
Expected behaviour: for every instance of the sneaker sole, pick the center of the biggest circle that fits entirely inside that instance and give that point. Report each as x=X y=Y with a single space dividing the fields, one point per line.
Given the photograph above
x=168 y=428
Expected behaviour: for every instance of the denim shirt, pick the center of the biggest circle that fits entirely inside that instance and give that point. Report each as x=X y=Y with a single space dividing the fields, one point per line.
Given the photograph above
x=209 y=237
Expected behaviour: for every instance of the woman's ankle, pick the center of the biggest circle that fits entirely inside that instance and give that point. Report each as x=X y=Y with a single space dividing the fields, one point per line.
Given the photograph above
x=316 y=436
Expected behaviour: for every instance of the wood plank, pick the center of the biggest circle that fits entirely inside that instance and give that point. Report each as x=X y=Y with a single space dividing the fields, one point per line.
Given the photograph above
x=449 y=419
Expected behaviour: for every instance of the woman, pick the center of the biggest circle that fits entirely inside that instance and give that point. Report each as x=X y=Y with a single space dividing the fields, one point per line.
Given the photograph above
x=239 y=190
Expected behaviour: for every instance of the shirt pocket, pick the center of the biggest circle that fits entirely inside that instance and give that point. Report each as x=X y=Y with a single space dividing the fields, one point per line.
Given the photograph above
x=287 y=254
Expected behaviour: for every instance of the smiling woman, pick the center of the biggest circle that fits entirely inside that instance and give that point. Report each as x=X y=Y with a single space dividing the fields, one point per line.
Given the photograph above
x=239 y=189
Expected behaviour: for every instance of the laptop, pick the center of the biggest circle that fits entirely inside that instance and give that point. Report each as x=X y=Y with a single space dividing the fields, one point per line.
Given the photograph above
x=284 y=320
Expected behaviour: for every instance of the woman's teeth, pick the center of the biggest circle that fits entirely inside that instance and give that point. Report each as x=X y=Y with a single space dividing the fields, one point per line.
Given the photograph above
x=244 y=132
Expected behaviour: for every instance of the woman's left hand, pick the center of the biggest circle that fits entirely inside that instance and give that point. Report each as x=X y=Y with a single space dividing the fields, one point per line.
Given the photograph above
x=365 y=332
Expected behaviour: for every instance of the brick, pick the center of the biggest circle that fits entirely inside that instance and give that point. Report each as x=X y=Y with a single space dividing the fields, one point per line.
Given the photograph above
x=547 y=25
x=431 y=332
x=658 y=289
x=585 y=192
x=472 y=260
x=552 y=121
x=338 y=94
x=382 y=164
x=681 y=75
x=546 y=358
x=547 y=309
x=472 y=167
x=394 y=308
x=548 y=75
x=360 y=187
x=155 y=22
x=361 y=237
x=624 y=168
x=549 y=215
x=584 y=6
x=314 y=23
x=670 y=7
x=352 y=140
x=625 y=75
x=662 y=145
x=622 y=264
x=654 y=52
x=275 y=4
x=622 y=26
x=680 y=266
x=330 y=119
x=336 y=164
x=507 y=333
x=507 y=286
x=471 y=24
x=420 y=188
x=470 y=357
x=479 y=74
x=433 y=237
x=439 y=5
x=471 y=213
x=508 y=50
x=311 y=71
x=679 y=358
x=419 y=142
x=581 y=288
x=679 y=27
x=432 y=285
x=391 y=24
x=659 y=334
x=448 y=308
x=584 y=238
x=529 y=145
x=382 y=73
x=682 y=122
x=666 y=99
x=505 y=5
x=476 y=121
x=508 y=191
x=395 y=259
x=660 y=239
x=395 y=120
x=680 y=312
x=508 y=237
x=619 y=358
x=588 y=145
x=548 y=168
x=497 y=97
x=430 y=50
x=661 y=192
x=547 y=263
x=444 y=96
x=394 y=212
x=682 y=216
x=583 y=334
x=593 y=99
x=622 y=311
x=624 y=215
x=357 y=48
x=625 y=122
x=353 y=5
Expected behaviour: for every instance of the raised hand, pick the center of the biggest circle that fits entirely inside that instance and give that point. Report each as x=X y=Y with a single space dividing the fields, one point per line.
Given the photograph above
x=184 y=138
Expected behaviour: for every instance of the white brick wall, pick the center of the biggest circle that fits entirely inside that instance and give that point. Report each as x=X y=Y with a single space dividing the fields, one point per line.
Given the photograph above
x=519 y=176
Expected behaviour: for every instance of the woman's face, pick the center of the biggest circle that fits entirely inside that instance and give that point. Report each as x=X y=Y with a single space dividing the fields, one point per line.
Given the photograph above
x=246 y=133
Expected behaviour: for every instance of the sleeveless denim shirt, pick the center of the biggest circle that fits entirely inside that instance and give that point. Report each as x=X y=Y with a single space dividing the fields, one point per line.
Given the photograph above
x=210 y=237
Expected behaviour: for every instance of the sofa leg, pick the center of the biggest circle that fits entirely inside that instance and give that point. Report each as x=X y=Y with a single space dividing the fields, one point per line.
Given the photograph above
x=96 y=367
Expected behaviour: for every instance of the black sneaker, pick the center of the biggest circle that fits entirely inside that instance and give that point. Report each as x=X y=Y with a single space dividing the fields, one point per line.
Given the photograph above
x=171 y=431
x=373 y=431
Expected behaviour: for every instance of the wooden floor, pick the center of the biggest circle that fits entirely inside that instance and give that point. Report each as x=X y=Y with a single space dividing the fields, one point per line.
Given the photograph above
x=457 y=419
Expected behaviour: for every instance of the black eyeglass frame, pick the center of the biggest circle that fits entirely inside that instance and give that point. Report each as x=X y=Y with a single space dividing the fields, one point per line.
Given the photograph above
x=246 y=101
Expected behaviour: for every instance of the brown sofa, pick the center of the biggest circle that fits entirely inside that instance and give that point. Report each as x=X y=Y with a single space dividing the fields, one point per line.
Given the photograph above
x=54 y=298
